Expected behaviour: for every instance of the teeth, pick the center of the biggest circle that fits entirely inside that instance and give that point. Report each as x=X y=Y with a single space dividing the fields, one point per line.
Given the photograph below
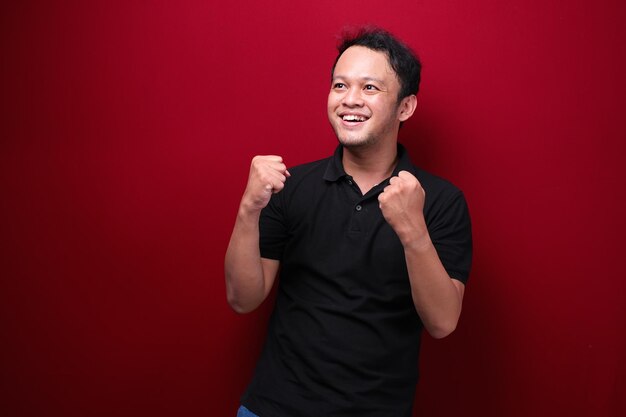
x=353 y=118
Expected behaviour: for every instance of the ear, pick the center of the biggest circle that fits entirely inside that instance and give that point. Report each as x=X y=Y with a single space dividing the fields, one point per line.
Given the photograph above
x=407 y=107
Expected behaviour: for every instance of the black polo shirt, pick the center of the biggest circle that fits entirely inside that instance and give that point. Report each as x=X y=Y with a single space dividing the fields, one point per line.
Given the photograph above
x=344 y=336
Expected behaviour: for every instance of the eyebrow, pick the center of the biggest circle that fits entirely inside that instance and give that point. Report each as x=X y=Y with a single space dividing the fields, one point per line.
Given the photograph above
x=341 y=77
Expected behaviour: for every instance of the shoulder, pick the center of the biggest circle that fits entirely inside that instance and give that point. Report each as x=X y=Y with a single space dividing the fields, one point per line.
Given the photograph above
x=305 y=181
x=435 y=185
x=309 y=168
x=441 y=194
x=309 y=174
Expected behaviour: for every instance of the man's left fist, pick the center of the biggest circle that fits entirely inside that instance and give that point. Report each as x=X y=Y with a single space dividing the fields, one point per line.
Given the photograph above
x=402 y=205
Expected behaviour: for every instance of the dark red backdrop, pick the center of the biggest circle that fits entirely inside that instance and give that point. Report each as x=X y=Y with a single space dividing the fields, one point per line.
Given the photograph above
x=126 y=134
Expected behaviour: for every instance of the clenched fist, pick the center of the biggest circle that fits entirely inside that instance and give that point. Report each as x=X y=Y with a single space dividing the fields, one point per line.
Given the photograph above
x=402 y=205
x=267 y=175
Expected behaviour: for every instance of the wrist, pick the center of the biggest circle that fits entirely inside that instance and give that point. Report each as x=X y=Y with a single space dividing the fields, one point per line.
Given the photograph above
x=413 y=233
x=418 y=242
x=415 y=237
x=249 y=210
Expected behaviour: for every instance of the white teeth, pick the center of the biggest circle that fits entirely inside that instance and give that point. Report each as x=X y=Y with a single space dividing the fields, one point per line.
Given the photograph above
x=353 y=118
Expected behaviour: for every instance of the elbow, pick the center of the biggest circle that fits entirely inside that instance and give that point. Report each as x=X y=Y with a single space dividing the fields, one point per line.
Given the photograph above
x=440 y=333
x=238 y=303
x=239 y=309
x=442 y=330
x=235 y=299
x=442 y=325
x=238 y=306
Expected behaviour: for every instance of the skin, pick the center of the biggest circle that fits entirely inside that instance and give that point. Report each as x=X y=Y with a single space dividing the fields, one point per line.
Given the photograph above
x=364 y=85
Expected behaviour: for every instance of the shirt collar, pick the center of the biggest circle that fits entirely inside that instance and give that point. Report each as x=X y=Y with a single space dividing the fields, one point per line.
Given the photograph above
x=335 y=171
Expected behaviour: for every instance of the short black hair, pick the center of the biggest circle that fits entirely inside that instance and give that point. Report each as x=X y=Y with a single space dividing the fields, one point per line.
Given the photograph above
x=402 y=59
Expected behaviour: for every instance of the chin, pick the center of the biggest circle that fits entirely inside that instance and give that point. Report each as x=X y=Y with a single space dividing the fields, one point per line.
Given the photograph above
x=347 y=140
x=355 y=142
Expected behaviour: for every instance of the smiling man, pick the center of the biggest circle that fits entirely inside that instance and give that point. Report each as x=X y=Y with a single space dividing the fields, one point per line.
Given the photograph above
x=370 y=250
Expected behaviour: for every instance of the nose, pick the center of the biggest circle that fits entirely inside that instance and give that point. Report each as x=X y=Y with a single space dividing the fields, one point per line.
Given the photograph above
x=352 y=98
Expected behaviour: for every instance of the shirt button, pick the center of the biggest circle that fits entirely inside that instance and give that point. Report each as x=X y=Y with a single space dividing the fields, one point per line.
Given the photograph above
x=350 y=182
x=358 y=207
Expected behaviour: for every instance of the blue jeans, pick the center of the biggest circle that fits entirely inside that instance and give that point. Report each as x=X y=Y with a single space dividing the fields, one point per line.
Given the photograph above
x=244 y=412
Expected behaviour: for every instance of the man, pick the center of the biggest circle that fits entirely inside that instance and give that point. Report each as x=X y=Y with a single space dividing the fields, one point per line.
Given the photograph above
x=369 y=247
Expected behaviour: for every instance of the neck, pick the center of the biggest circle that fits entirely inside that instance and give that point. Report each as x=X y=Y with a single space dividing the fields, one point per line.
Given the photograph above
x=369 y=166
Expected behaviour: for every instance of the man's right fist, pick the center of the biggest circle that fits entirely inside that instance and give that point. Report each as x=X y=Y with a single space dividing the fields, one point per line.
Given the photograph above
x=268 y=174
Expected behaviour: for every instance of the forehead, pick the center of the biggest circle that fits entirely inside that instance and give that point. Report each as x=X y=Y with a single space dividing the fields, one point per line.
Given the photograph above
x=362 y=62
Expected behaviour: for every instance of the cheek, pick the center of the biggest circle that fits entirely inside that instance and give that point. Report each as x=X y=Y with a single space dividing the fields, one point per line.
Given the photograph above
x=332 y=101
x=331 y=105
x=387 y=109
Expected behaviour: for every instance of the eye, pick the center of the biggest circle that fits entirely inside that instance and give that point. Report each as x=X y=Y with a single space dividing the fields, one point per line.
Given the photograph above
x=339 y=85
x=371 y=87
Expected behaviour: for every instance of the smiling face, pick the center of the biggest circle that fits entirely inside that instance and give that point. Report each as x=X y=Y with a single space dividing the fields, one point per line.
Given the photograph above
x=363 y=106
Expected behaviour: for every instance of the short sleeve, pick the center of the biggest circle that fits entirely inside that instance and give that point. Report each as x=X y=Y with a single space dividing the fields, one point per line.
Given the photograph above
x=451 y=233
x=273 y=229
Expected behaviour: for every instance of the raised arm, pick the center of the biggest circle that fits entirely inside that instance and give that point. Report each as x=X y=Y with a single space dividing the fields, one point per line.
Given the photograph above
x=249 y=278
x=437 y=296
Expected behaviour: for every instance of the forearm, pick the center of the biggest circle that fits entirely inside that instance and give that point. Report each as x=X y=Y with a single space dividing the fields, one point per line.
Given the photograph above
x=437 y=298
x=245 y=283
x=248 y=277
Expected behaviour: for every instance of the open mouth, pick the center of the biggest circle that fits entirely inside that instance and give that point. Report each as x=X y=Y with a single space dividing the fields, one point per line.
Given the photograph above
x=353 y=118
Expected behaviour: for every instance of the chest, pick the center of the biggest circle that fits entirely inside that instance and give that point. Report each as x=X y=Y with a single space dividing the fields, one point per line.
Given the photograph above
x=338 y=237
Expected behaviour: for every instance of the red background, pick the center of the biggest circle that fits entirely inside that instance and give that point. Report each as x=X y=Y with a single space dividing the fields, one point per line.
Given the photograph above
x=126 y=134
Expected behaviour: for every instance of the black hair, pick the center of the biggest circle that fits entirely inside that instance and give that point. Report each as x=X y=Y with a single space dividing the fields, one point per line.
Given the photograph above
x=402 y=59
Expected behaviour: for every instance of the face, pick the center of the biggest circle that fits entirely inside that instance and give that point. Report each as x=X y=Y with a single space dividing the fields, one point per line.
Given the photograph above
x=363 y=106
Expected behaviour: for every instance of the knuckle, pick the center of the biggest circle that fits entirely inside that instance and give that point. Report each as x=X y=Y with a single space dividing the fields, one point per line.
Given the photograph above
x=257 y=162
